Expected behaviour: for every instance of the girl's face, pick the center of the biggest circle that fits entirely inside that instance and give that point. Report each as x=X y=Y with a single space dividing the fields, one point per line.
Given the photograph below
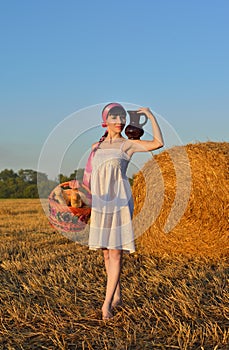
x=116 y=121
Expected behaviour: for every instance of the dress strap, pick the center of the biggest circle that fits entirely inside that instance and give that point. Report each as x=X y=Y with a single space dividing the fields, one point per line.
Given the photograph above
x=122 y=144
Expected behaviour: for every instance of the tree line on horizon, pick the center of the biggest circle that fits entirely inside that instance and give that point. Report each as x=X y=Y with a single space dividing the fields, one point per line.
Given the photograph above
x=28 y=183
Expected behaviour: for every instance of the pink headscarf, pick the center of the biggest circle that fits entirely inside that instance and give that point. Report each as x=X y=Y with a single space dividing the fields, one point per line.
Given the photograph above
x=107 y=110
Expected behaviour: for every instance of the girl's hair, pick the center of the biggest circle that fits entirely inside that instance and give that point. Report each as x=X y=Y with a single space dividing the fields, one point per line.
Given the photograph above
x=116 y=110
x=102 y=138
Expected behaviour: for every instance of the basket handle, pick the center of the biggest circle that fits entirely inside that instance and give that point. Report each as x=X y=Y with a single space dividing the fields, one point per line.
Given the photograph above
x=67 y=184
x=75 y=184
x=64 y=184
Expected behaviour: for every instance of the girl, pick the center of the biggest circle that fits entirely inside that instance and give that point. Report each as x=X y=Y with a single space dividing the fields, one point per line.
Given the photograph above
x=112 y=203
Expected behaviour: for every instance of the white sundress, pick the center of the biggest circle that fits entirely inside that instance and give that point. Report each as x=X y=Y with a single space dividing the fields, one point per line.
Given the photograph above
x=112 y=202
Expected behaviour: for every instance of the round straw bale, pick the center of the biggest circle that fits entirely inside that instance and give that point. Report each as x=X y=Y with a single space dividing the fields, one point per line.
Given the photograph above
x=181 y=201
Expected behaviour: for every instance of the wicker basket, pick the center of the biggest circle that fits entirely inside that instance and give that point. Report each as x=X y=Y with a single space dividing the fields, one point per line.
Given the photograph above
x=64 y=217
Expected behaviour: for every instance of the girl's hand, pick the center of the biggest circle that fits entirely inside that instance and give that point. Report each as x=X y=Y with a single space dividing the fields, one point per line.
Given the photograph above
x=146 y=111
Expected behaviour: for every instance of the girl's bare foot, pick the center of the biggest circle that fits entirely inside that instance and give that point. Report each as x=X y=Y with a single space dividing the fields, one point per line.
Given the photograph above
x=106 y=313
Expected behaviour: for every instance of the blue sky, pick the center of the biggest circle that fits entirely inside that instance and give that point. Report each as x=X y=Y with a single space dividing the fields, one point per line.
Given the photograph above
x=58 y=57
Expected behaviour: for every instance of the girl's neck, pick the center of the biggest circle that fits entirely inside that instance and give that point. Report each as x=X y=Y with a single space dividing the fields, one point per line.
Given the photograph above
x=113 y=137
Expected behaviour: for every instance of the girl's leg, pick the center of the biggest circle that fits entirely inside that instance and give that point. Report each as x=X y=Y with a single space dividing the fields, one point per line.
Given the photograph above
x=117 y=298
x=113 y=259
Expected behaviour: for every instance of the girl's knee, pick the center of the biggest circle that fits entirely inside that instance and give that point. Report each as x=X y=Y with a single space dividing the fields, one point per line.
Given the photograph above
x=115 y=254
x=106 y=254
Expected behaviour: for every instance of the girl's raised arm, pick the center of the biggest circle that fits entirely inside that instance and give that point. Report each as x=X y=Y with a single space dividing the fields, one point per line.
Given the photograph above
x=149 y=145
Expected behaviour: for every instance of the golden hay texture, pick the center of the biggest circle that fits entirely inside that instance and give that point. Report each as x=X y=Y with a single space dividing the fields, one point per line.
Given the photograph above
x=181 y=201
x=52 y=290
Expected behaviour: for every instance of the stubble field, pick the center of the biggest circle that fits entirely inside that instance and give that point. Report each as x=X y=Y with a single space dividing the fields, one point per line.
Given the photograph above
x=51 y=292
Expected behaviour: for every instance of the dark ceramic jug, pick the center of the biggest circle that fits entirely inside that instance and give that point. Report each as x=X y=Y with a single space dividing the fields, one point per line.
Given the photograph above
x=134 y=130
